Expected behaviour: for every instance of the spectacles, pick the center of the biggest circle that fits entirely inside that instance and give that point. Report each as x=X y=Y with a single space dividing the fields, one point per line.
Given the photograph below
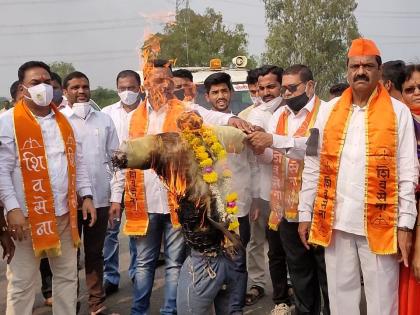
x=291 y=87
x=411 y=89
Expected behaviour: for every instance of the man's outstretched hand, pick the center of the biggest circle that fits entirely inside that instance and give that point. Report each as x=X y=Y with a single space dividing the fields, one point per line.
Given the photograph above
x=241 y=124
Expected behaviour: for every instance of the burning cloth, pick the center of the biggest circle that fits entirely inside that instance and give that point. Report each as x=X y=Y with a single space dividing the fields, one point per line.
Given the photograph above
x=192 y=165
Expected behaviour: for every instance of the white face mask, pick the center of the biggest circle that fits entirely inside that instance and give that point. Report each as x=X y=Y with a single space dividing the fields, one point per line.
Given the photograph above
x=81 y=109
x=273 y=104
x=41 y=94
x=128 y=97
x=256 y=100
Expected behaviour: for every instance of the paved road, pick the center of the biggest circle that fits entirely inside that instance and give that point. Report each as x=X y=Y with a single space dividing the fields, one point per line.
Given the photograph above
x=121 y=301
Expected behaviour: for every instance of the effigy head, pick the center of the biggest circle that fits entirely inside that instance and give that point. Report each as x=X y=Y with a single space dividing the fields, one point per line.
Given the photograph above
x=190 y=121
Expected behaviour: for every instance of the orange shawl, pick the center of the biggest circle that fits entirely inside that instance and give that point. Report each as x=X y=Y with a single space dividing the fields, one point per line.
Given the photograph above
x=381 y=180
x=134 y=198
x=286 y=183
x=36 y=182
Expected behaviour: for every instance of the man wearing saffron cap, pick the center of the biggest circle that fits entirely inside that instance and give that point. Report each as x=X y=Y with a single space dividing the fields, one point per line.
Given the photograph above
x=357 y=198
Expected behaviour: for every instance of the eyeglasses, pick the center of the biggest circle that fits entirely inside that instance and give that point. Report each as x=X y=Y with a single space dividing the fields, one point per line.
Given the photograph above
x=411 y=89
x=291 y=87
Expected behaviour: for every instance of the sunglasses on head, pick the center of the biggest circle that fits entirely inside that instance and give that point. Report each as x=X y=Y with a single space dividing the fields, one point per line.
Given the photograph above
x=411 y=89
x=291 y=87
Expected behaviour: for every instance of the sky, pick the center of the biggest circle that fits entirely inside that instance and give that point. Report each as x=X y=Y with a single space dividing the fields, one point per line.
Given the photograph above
x=102 y=37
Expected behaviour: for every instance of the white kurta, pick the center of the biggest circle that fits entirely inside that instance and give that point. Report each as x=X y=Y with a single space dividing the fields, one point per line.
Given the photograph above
x=351 y=174
x=349 y=251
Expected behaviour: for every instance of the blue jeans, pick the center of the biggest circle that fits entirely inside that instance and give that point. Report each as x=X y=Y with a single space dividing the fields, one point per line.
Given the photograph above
x=204 y=282
x=148 y=248
x=111 y=255
x=238 y=290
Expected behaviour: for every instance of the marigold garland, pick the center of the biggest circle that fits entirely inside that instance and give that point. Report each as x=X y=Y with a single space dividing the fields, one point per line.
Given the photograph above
x=208 y=150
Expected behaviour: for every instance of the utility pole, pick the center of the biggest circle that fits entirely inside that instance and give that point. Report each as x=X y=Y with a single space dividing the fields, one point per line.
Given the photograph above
x=178 y=8
x=178 y=4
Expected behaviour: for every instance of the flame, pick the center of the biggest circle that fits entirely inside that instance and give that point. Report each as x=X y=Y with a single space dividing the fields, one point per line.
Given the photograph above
x=150 y=51
x=177 y=182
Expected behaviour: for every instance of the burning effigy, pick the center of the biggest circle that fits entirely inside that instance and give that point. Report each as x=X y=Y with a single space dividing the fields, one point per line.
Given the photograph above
x=192 y=165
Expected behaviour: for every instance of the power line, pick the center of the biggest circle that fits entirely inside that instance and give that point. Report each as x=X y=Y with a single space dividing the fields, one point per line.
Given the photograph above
x=389 y=12
x=60 y=23
x=98 y=28
x=67 y=54
x=73 y=60
x=15 y=3
x=247 y=4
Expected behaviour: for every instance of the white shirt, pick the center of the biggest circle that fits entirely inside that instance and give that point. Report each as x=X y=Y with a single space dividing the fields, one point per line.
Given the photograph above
x=121 y=119
x=260 y=116
x=156 y=193
x=11 y=182
x=349 y=206
x=100 y=140
x=292 y=147
x=244 y=170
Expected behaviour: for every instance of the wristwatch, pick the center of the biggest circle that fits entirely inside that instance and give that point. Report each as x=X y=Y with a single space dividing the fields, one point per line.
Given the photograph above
x=87 y=197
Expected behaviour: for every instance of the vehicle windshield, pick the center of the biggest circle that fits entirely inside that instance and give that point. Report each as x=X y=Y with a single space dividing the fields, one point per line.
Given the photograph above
x=239 y=102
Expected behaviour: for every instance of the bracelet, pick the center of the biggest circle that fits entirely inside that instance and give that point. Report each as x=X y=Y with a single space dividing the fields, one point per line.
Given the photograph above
x=87 y=197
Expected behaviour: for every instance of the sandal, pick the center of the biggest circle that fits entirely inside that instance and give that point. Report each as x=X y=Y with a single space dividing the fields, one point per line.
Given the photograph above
x=254 y=294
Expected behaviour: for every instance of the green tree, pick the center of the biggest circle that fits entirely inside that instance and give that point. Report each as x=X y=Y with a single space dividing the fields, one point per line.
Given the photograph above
x=62 y=68
x=193 y=39
x=104 y=97
x=316 y=33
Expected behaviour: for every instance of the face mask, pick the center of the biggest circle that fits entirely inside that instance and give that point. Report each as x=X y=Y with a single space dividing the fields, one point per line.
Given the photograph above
x=298 y=102
x=273 y=104
x=128 y=97
x=81 y=109
x=41 y=94
x=180 y=94
x=256 y=100
x=57 y=97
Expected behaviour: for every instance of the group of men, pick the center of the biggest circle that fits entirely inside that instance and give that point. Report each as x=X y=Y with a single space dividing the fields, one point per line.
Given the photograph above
x=329 y=185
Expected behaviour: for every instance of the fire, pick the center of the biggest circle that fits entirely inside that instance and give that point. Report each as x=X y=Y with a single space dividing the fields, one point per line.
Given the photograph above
x=159 y=85
x=177 y=184
x=177 y=181
x=150 y=51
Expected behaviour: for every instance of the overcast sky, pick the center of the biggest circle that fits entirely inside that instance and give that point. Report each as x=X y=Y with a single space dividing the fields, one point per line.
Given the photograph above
x=102 y=37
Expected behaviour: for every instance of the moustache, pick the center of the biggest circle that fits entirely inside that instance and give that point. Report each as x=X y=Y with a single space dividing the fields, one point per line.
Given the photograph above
x=361 y=78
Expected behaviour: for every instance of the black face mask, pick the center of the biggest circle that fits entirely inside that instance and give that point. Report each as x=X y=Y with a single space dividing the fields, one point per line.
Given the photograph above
x=298 y=102
x=180 y=94
x=142 y=96
x=57 y=97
